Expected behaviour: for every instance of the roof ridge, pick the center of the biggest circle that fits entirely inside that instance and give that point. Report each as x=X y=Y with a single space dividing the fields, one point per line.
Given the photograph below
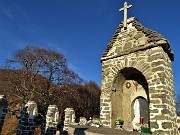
x=152 y=38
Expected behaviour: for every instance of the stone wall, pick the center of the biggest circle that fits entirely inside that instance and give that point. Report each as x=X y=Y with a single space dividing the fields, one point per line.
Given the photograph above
x=28 y=119
x=3 y=110
x=133 y=52
x=155 y=65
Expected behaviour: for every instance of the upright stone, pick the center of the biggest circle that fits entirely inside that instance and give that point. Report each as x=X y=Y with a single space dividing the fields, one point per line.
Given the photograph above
x=82 y=121
x=3 y=110
x=28 y=119
x=50 y=122
x=69 y=118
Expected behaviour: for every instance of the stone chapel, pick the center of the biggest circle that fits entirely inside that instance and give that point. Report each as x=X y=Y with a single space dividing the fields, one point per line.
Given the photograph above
x=137 y=73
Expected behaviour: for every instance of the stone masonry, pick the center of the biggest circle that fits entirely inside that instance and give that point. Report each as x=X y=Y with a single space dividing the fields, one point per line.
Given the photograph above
x=29 y=115
x=141 y=55
x=3 y=110
x=50 y=122
x=69 y=118
x=28 y=119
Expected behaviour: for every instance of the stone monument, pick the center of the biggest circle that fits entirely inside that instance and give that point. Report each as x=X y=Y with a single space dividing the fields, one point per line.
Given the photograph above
x=50 y=121
x=69 y=118
x=28 y=119
x=137 y=78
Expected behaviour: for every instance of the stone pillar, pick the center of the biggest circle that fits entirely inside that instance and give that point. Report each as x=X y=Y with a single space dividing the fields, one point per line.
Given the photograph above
x=50 y=121
x=178 y=124
x=105 y=110
x=28 y=119
x=69 y=118
x=3 y=110
x=161 y=93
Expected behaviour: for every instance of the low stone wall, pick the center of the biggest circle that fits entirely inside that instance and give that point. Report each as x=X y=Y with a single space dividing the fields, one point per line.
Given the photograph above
x=28 y=119
x=51 y=119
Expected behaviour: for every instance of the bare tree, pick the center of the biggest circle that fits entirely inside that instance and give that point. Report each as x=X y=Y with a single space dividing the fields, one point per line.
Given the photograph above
x=31 y=63
x=85 y=99
x=43 y=76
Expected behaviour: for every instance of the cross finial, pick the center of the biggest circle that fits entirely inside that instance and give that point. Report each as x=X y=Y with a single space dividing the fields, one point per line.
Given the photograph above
x=126 y=6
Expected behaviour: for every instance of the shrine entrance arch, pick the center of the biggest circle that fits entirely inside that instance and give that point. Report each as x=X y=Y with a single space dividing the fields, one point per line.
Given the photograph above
x=129 y=85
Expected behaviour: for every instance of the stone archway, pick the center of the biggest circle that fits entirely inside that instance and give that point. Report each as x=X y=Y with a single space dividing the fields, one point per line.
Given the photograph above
x=128 y=85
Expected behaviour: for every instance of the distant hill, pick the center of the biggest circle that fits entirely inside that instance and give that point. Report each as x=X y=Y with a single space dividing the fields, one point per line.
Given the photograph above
x=13 y=87
x=10 y=81
x=18 y=87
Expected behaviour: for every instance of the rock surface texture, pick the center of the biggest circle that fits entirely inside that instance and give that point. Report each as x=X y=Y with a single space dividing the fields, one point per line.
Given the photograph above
x=28 y=119
x=137 y=63
x=69 y=118
x=50 y=121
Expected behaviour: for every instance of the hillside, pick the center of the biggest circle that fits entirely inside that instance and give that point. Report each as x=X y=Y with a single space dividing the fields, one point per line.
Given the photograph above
x=16 y=86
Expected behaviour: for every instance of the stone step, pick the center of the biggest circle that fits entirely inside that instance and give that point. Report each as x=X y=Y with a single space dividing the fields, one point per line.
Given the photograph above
x=87 y=130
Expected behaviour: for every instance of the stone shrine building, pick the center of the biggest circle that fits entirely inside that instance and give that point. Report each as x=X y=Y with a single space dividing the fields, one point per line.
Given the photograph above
x=137 y=78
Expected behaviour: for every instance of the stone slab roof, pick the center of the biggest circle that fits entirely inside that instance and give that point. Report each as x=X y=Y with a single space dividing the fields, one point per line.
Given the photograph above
x=135 y=38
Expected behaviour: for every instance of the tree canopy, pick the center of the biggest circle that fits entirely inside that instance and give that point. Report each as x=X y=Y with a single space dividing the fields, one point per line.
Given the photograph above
x=48 y=63
x=43 y=75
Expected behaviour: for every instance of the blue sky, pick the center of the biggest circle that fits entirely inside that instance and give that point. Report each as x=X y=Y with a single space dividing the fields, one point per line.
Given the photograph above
x=81 y=29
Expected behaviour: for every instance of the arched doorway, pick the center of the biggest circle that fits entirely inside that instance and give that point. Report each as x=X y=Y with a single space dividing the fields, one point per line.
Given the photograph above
x=129 y=85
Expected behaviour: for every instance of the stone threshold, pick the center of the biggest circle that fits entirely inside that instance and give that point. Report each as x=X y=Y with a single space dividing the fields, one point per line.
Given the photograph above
x=87 y=130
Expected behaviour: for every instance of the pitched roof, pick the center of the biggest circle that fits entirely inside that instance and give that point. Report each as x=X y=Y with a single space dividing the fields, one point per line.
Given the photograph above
x=135 y=32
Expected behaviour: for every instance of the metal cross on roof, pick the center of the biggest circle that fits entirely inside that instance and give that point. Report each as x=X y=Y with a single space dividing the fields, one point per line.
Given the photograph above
x=126 y=6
